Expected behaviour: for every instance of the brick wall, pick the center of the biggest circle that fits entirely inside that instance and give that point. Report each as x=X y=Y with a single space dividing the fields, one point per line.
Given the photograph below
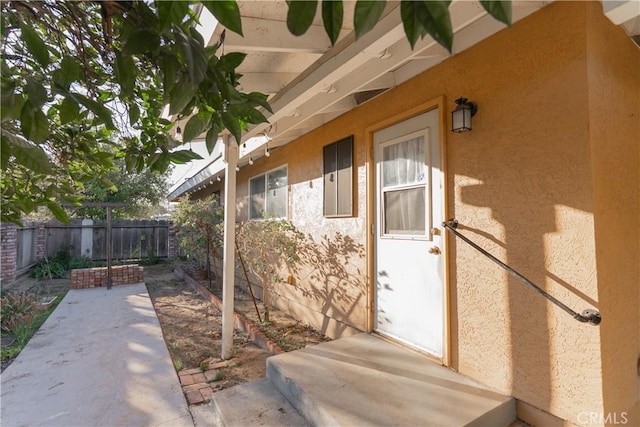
x=8 y=251
x=40 y=242
x=96 y=277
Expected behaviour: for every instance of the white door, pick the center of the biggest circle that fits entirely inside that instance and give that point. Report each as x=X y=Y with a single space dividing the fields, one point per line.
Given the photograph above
x=409 y=300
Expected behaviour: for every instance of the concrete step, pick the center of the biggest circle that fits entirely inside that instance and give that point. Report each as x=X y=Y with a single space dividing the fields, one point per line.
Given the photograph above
x=365 y=380
x=256 y=403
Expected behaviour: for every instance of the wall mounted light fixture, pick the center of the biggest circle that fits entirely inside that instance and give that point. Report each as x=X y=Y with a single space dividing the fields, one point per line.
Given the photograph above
x=461 y=116
x=250 y=161
x=266 y=152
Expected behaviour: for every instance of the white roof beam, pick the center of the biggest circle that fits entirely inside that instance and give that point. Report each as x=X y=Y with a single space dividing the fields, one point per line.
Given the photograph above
x=620 y=12
x=263 y=35
x=339 y=61
x=267 y=83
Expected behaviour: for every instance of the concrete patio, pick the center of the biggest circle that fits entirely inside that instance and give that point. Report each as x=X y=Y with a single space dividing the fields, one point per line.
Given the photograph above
x=99 y=360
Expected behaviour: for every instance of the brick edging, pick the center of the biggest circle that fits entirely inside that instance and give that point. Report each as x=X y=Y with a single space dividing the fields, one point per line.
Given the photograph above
x=240 y=321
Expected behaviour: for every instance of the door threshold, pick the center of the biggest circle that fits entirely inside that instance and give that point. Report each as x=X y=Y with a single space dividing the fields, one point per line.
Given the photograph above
x=404 y=344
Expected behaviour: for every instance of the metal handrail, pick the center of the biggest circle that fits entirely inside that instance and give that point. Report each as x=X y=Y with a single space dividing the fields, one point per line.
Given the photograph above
x=587 y=316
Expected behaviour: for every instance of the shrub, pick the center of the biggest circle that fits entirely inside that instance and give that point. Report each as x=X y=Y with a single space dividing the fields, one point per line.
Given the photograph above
x=16 y=311
x=49 y=269
x=80 y=262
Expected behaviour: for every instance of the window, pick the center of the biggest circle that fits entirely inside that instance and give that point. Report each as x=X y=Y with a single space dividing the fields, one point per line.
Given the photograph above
x=268 y=195
x=338 y=178
x=404 y=180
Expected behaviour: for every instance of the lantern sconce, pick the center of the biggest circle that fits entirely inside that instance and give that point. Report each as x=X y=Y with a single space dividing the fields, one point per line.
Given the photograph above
x=461 y=116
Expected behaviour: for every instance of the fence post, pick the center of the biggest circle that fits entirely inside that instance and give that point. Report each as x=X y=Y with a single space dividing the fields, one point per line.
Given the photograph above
x=86 y=239
x=9 y=248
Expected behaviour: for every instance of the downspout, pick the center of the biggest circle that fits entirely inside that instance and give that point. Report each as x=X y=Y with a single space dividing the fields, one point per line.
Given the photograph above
x=228 y=273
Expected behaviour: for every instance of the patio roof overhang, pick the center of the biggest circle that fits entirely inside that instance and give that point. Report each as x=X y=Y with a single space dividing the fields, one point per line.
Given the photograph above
x=310 y=83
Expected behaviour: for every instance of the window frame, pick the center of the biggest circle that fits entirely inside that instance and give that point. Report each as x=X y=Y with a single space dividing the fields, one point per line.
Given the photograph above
x=351 y=190
x=265 y=175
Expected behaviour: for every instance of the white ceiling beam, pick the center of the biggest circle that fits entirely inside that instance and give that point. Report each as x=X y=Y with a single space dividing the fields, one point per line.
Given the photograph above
x=620 y=12
x=261 y=35
x=267 y=83
x=339 y=61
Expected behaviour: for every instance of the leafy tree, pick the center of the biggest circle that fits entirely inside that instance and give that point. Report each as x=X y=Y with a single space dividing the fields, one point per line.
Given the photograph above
x=83 y=82
x=199 y=230
x=142 y=192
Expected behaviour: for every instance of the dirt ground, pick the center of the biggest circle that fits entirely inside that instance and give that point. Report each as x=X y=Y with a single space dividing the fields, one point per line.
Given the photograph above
x=192 y=329
x=192 y=326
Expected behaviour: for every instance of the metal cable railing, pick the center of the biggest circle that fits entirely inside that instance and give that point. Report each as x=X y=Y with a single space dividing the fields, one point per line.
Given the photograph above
x=587 y=316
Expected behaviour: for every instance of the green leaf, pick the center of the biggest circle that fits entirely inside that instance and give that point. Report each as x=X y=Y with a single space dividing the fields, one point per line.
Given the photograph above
x=171 y=12
x=134 y=113
x=366 y=15
x=27 y=154
x=70 y=70
x=300 y=16
x=11 y=104
x=247 y=112
x=130 y=162
x=69 y=111
x=212 y=136
x=193 y=54
x=430 y=16
x=183 y=156
x=58 y=212
x=169 y=76
x=500 y=10
x=196 y=125
x=159 y=162
x=231 y=61
x=257 y=98
x=181 y=96
x=100 y=111
x=34 y=123
x=140 y=42
x=231 y=123
x=37 y=93
x=35 y=44
x=5 y=153
x=125 y=73
x=108 y=184
x=227 y=13
x=332 y=16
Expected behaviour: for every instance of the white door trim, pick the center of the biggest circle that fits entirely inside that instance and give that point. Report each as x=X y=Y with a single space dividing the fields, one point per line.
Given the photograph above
x=438 y=103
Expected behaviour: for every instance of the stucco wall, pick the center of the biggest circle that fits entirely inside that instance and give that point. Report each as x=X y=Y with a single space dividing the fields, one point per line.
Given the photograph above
x=551 y=163
x=329 y=283
x=614 y=125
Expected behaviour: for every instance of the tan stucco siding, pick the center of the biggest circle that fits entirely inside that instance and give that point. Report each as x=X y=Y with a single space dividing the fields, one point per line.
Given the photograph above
x=329 y=284
x=614 y=123
x=551 y=162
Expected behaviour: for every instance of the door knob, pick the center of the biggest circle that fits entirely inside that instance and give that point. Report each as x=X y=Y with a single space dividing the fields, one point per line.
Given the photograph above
x=434 y=250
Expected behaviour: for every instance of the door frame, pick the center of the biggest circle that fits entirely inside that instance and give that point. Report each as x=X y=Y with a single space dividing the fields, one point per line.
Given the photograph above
x=438 y=103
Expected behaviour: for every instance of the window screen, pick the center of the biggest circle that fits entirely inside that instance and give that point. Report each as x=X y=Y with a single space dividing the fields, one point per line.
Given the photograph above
x=268 y=195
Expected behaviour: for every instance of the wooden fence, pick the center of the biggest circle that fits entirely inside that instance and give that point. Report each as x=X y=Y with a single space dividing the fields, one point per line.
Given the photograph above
x=130 y=239
x=21 y=248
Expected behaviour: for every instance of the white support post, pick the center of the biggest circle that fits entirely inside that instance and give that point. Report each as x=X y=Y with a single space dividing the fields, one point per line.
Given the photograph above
x=228 y=274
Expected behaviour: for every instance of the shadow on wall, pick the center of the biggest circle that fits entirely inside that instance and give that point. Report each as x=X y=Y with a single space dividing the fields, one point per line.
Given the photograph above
x=540 y=225
x=335 y=279
x=324 y=276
